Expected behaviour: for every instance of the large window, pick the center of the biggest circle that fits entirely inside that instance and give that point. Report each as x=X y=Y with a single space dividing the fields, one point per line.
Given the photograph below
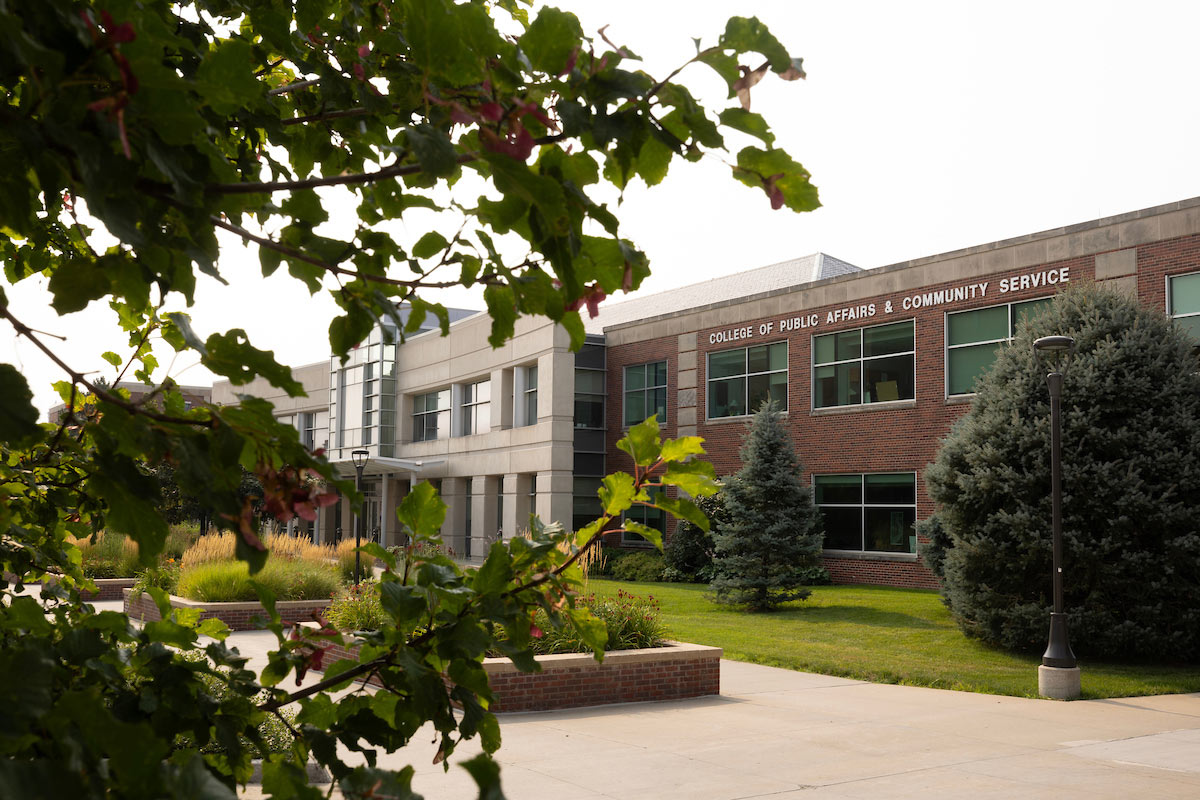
x=645 y=392
x=973 y=337
x=589 y=398
x=866 y=365
x=740 y=380
x=872 y=513
x=477 y=407
x=431 y=416
x=1184 y=299
x=529 y=396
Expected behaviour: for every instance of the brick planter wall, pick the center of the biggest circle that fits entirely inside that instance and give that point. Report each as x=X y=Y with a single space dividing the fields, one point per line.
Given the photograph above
x=571 y=680
x=107 y=588
x=238 y=616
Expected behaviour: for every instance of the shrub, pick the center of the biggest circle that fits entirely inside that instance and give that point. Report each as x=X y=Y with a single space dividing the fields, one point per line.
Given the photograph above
x=357 y=608
x=228 y=581
x=633 y=622
x=179 y=538
x=689 y=551
x=1131 y=488
x=639 y=567
x=165 y=577
x=274 y=732
x=773 y=533
x=609 y=556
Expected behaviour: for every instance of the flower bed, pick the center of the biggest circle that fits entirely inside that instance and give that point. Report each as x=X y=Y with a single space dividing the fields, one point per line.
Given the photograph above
x=570 y=680
x=238 y=616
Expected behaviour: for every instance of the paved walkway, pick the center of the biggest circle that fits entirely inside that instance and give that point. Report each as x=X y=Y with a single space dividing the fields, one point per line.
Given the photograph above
x=779 y=734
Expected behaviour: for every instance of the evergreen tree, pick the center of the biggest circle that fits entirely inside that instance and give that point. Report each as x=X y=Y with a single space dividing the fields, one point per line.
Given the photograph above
x=1131 y=488
x=770 y=542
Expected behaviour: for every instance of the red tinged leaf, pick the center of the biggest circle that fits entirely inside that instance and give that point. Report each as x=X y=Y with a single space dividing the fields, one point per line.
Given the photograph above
x=123 y=133
x=358 y=71
x=462 y=116
x=749 y=78
x=516 y=145
x=492 y=112
x=592 y=300
x=773 y=191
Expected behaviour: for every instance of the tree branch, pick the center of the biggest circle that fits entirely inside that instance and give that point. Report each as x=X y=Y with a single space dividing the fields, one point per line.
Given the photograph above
x=300 y=255
x=292 y=87
x=77 y=377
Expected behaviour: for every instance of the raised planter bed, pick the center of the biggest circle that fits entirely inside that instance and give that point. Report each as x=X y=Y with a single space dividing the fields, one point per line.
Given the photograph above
x=238 y=616
x=107 y=588
x=570 y=680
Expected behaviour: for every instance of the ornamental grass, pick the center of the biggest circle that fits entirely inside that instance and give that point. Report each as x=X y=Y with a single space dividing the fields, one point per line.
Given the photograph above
x=108 y=555
x=230 y=581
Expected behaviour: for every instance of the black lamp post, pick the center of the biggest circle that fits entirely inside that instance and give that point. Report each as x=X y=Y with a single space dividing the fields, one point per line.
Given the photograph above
x=1054 y=354
x=359 y=457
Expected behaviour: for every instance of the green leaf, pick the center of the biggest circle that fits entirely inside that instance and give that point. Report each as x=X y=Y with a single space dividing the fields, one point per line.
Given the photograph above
x=231 y=355
x=502 y=308
x=697 y=478
x=226 y=78
x=723 y=64
x=642 y=442
x=404 y=604
x=679 y=449
x=305 y=205
x=550 y=40
x=683 y=508
x=380 y=552
x=318 y=711
x=496 y=571
x=18 y=417
x=422 y=511
x=747 y=34
x=616 y=493
x=111 y=358
x=748 y=122
x=183 y=324
x=486 y=774
x=652 y=535
x=433 y=149
x=591 y=630
x=654 y=160
x=214 y=628
x=430 y=245
x=76 y=282
x=169 y=632
x=24 y=613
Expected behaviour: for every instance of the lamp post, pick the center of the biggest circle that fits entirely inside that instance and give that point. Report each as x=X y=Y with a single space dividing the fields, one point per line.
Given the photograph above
x=1058 y=676
x=359 y=457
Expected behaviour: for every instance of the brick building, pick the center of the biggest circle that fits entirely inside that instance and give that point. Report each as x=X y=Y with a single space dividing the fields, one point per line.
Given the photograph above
x=872 y=366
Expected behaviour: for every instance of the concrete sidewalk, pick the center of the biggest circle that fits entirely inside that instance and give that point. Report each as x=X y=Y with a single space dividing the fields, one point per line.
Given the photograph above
x=782 y=734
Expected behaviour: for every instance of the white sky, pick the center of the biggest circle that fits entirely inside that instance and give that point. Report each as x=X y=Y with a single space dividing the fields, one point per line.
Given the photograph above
x=926 y=126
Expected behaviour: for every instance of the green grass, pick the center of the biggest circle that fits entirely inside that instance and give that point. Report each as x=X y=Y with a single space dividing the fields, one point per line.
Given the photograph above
x=229 y=581
x=884 y=635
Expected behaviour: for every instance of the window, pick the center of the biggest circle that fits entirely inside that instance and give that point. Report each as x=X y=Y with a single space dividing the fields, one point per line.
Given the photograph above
x=1184 y=300
x=477 y=408
x=740 y=380
x=973 y=337
x=867 y=365
x=589 y=398
x=645 y=392
x=431 y=416
x=308 y=430
x=650 y=517
x=872 y=513
x=585 y=502
x=529 y=396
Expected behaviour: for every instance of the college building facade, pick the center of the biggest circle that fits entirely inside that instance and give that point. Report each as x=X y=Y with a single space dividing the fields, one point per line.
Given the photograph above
x=869 y=367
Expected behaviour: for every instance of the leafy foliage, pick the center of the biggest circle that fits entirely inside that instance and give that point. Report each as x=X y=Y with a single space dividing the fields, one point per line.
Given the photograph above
x=642 y=567
x=632 y=622
x=689 y=551
x=773 y=535
x=1131 y=488
x=141 y=129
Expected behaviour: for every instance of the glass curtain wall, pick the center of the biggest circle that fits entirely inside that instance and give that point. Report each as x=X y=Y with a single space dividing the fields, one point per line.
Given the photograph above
x=362 y=397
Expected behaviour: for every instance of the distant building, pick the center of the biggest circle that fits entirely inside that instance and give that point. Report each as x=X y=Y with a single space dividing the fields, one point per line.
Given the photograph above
x=192 y=396
x=871 y=366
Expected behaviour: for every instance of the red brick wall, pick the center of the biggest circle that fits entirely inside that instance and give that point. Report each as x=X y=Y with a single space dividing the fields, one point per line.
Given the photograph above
x=142 y=607
x=869 y=439
x=592 y=684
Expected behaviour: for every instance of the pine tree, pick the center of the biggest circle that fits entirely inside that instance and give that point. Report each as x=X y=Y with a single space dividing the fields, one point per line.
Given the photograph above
x=770 y=544
x=1131 y=488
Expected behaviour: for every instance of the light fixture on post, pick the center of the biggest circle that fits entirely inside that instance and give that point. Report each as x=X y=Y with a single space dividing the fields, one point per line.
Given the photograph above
x=359 y=458
x=1058 y=676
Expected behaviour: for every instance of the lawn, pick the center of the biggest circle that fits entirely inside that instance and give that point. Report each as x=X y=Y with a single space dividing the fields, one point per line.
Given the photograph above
x=884 y=635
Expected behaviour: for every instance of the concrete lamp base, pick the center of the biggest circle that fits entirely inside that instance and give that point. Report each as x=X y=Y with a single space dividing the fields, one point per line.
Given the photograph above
x=1058 y=683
